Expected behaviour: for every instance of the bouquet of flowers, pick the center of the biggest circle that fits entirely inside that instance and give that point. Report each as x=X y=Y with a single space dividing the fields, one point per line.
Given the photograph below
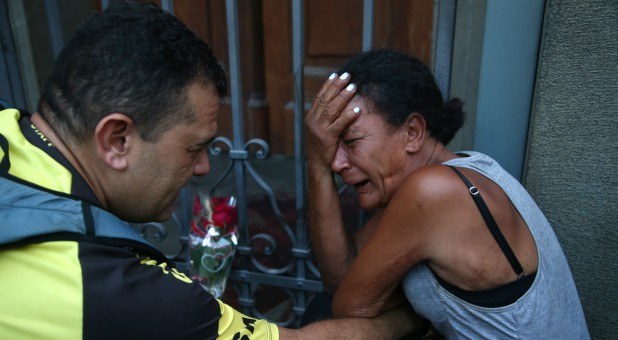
x=212 y=241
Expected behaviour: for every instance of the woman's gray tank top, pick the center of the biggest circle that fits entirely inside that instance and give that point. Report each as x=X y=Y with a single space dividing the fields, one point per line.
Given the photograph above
x=550 y=309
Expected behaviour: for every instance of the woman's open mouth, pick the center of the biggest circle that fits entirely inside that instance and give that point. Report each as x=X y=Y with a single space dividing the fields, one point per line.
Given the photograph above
x=361 y=186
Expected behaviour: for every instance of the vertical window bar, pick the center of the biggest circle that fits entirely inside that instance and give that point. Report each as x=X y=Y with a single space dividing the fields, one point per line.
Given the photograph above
x=168 y=5
x=367 y=24
x=231 y=9
x=236 y=101
x=298 y=62
x=55 y=31
x=297 y=68
x=444 y=44
x=368 y=10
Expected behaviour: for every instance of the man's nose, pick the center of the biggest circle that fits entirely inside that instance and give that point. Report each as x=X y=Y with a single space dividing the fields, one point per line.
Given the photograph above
x=202 y=164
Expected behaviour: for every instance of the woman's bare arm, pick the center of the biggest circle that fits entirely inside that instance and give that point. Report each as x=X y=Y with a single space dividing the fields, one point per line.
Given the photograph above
x=393 y=324
x=325 y=121
x=400 y=241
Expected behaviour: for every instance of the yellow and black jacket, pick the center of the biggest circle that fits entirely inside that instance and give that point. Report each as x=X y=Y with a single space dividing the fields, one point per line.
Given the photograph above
x=71 y=270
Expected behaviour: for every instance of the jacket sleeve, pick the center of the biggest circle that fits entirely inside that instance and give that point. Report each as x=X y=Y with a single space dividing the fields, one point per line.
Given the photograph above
x=136 y=297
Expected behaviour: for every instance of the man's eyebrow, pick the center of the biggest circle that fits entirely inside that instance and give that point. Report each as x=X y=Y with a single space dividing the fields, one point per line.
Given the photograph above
x=205 y=143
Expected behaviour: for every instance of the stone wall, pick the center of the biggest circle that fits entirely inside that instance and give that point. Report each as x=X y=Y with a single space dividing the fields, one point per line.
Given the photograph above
x=572 y=155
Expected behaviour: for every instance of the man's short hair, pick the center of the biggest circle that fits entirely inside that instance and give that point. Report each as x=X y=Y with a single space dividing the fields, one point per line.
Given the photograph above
x=134 y=58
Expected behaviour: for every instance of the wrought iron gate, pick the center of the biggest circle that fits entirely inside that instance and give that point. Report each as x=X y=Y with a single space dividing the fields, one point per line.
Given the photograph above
x=253 y=279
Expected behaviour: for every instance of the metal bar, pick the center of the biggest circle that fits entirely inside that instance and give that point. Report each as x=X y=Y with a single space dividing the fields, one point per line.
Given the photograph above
x=236 y=101
x=234 y=66
x=279 y=281
x=367 y=24
x=444 y=44
x=368 y=9
x=298 y=53
x=297 y=68
x=55 y=30
x=231 y=9
x=168 y=5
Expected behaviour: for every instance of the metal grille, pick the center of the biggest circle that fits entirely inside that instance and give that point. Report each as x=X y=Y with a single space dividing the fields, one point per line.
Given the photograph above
x=299 y=279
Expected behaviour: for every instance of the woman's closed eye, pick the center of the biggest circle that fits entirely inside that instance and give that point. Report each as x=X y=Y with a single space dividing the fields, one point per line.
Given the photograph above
x=350 y=141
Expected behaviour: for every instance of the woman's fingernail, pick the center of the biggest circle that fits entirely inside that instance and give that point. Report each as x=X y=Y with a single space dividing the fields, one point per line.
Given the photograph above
x=344 y=76
x=356 y=109
x=332 y=76
x=350 y=87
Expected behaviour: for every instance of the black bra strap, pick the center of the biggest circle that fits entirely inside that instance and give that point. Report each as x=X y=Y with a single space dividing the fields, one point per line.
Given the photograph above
x=491 y=224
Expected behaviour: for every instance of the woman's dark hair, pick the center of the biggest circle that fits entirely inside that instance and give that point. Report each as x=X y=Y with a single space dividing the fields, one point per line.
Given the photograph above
x=398 y=85
x=134 y=58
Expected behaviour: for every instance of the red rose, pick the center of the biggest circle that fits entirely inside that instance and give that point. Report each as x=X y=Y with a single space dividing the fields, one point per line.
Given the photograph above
x=224 y=215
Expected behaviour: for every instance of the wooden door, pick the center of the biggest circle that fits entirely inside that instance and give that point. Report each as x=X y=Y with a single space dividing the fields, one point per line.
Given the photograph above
x=332 y=33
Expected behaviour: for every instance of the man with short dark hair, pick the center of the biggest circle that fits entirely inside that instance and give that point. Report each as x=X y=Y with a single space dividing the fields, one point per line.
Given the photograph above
x=123 y=124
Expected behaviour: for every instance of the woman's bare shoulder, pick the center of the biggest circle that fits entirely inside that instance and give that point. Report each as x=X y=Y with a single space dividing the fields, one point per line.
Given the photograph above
x=432 y=183
x=428 y=200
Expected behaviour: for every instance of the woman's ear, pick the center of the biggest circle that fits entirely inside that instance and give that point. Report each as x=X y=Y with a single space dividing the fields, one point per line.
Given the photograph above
x=113 y=137
x=415 y=126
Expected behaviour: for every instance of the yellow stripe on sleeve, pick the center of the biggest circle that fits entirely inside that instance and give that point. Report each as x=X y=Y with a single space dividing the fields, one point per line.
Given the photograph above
x=235 y=325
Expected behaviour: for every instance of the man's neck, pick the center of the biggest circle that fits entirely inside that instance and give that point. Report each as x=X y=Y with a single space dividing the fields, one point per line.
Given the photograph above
x=74 y=154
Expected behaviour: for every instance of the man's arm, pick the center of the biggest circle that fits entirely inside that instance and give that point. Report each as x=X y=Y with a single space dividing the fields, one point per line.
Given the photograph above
x=393 y=324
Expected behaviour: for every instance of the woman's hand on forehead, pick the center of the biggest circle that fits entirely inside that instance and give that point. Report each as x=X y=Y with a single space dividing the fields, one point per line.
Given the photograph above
x=329 y=116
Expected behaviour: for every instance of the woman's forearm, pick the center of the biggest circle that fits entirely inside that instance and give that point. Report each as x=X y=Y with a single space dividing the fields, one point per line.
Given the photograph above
x=332 y=245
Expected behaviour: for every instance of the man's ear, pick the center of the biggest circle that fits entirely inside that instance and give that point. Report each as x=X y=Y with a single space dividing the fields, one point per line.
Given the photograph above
x=113 y=136
x=415 y=131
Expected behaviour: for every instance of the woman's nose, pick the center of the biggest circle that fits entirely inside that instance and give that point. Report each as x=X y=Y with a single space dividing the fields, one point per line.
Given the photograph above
x=340 y=161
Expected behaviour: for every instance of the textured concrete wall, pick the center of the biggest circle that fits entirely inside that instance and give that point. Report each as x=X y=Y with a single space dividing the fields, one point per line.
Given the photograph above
x=572 y=158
